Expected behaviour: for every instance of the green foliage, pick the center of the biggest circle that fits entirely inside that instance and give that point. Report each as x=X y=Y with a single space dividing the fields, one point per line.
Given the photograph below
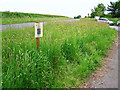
x=79 y=45
x=93 y=14
x=98 y=11
x=27 y=19
x=102 y=7
x=79 y=16
x=17 y=17
x=111 y=18
x=115 y=20
x=114 y=9
x=31 y=15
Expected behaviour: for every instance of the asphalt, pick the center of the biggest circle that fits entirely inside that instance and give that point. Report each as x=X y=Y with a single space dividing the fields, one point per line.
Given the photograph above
x=107 y=75
x=24 y=25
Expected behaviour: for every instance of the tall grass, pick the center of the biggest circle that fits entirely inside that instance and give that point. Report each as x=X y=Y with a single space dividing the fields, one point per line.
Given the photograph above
x=27 y=20
x=33 y=15
x=18 y=17
x=79 y=45
x=0 y=52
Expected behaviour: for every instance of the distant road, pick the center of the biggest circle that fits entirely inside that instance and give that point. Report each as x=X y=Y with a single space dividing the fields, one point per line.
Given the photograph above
x=23 y=25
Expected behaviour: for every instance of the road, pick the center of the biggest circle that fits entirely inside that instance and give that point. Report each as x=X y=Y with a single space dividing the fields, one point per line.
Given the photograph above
x=107 y=75
x=23 y=25
x=115 y=27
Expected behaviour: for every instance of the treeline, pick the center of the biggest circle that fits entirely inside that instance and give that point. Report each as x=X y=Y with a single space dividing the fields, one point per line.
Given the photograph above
x=113 y=10
x=77 y=17
x=8 y=14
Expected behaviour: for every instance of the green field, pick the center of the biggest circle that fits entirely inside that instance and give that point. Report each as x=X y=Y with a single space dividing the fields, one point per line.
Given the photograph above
x=18 y=17
x=79 y=45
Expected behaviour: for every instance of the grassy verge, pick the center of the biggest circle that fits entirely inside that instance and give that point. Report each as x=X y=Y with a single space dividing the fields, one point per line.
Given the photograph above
x=25 y=20
x=114 y=20
x=17 y=17
x=79 y=45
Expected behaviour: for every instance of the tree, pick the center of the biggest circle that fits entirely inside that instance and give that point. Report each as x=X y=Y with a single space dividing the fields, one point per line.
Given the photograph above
x=88 y=15
x=98 y=11
x=79 y=16
x=102 y=7
x=93 y=14
x=118 y=9
x=114 y=8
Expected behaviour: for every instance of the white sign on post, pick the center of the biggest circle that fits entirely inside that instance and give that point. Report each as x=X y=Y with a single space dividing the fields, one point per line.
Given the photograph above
x=38 y=29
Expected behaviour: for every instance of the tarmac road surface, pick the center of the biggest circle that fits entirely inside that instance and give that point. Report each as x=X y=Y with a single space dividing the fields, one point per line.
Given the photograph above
x=23 y=25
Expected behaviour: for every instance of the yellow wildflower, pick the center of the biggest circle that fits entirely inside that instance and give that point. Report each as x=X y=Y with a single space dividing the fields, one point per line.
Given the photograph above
x=8 y=47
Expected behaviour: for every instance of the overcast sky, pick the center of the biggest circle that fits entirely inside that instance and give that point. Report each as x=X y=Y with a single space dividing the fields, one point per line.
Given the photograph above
x=68 y=8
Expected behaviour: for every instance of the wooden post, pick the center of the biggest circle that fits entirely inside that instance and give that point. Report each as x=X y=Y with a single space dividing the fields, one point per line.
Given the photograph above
x=37 y=43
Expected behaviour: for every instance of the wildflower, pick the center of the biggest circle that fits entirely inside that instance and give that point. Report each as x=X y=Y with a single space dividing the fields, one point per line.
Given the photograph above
x=40 y=51
x=56 y=39
x=8 y=47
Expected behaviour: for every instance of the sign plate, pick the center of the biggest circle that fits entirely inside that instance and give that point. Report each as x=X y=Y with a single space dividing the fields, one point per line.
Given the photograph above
x=38 y=29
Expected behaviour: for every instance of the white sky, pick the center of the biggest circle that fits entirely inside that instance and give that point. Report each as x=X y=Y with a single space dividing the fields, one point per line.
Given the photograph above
x=68 y=8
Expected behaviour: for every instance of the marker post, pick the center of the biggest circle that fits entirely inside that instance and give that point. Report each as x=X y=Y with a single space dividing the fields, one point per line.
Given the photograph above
x=37 y=43
x=38 y=32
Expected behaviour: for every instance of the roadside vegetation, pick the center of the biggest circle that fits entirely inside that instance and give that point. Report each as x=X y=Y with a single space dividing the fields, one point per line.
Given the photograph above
x=17 y=17
x=113 y=8
x=113 y=11
x=79 y=45
x=114 y=20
